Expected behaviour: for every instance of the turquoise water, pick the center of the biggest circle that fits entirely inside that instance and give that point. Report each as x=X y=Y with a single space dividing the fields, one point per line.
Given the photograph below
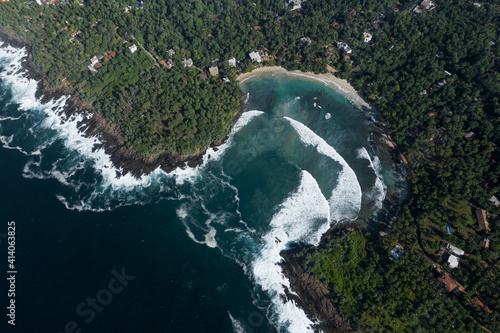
x=202 y=245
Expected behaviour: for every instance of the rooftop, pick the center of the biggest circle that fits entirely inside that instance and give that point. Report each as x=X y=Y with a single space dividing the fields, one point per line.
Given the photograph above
x=482 y=220
x=397 y=252
x=255 y=56
x=447 y=282
x=214 y=70
x=453 y=261
x=187 y=62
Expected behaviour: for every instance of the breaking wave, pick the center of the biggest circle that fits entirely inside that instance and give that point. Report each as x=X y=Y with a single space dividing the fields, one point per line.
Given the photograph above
x=303 y=216
x=207 y=199
x=379 y=190
x=345 y=200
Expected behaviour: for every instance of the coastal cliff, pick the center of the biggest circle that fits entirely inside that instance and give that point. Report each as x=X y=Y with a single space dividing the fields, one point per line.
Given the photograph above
x=313 y=296
x=94 y=125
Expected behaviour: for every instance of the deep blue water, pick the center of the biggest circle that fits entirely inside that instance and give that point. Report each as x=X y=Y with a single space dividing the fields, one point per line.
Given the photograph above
x=199 y=247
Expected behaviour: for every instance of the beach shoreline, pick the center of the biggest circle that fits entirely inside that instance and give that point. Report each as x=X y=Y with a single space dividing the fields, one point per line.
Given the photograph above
x=340 y=85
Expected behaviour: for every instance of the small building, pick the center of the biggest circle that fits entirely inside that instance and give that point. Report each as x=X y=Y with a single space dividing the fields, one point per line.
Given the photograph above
x=306 y=40
x=187 y=62
x=112 y=54
x=92 y=69
x=442 y=83
x=170 y=64
x=446 y=281
x=453 y=261
x=397 y=252
x=367 y=37
x=345 y=47
x=97 y=65
x=296 y=4
x=94 y=60
x=480 y=304
x=485 y=243
x=255 y=56
x=214 y=70
x=494 y=201
x=203 y=76
x=482 y=220
x=427 y=4
x=455 y=250
x=232 y=62
x=469 y=135
x=226 y=80
x=132 y=48
x=171 y=52
x=107 y=56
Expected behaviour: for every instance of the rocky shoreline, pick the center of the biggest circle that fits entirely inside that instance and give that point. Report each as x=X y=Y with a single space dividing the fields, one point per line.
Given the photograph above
x=111 y=138
x=313 y=297
x=307 y=291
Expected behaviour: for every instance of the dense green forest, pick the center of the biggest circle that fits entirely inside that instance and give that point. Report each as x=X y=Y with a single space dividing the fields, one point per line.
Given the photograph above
x=432 y=71
x=382 y=295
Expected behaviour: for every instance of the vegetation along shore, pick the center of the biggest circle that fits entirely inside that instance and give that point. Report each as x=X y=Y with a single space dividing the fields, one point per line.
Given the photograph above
x=161 y=80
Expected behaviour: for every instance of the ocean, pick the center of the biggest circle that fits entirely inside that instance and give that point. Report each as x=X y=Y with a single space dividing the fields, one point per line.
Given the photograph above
x=191 y=251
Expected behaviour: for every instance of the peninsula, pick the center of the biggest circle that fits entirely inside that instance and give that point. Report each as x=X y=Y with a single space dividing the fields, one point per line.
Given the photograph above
x=161 y=79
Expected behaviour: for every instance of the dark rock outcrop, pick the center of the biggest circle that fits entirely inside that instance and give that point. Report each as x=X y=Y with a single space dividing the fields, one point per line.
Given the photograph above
x=313 y=297
x=111 y=137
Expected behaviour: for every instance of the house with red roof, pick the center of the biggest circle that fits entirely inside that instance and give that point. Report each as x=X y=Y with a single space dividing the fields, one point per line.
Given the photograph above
x=447 y=282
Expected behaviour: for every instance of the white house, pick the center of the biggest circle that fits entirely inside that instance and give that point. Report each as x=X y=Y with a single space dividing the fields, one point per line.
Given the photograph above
x=456 y=250
x=297 y=4
x=94 y=60
x=133 y=48
x=453 y=261
x=232 y=62
x=255 y=56
x=187 y=62
x=345 y=47
x=367 y=37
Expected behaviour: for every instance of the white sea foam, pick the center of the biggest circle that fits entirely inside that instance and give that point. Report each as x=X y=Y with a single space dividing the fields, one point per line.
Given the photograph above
x=10 y=118
x=303 y=216
x=244 y=119
x=379 y=190
x=237 y=325
x=23 y=93
x=345 y=201
x=210 y=231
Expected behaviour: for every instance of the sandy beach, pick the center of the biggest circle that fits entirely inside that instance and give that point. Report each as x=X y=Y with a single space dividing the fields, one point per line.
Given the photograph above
x=329 y=78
